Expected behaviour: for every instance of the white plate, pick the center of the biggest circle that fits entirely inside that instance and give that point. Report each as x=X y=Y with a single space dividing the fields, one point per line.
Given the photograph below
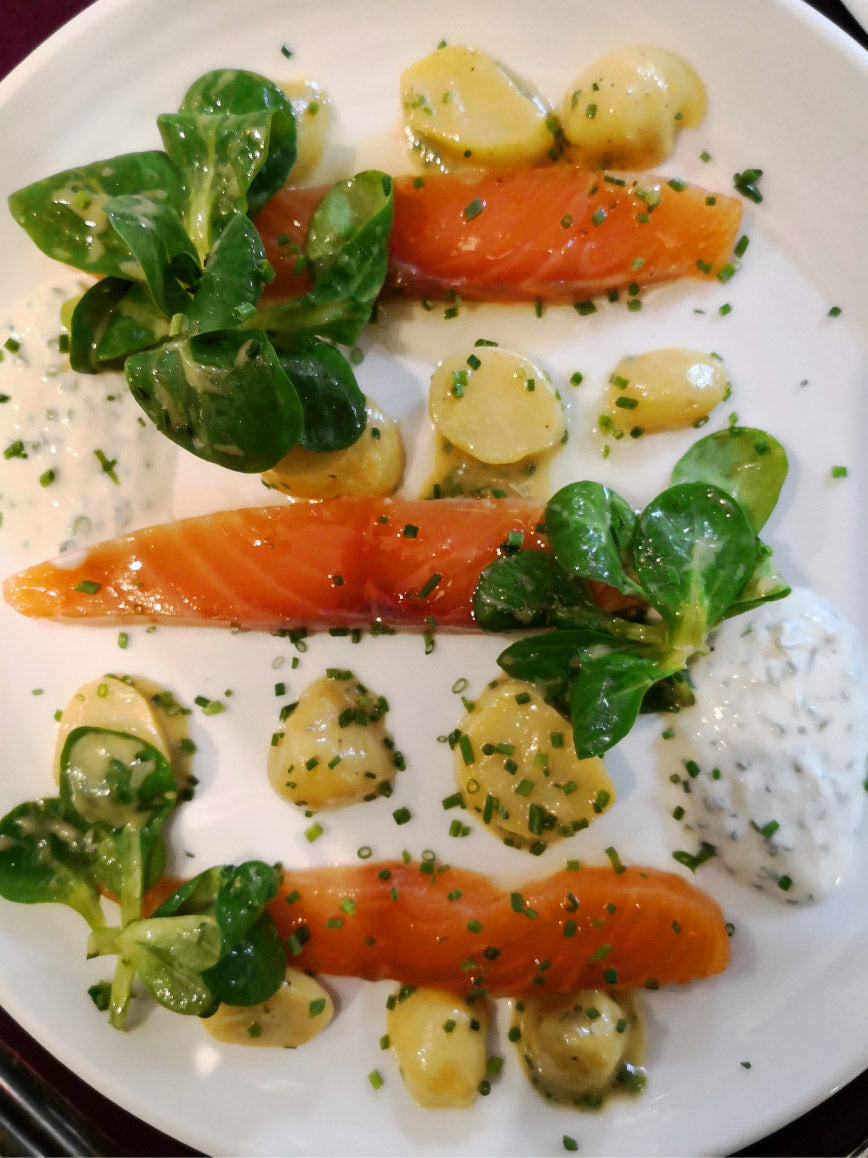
x=787 y=94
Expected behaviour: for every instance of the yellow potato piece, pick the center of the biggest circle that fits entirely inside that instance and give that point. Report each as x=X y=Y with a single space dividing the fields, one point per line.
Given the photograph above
x=312 y=109
x=665 y=389
x=495 y=405
x=114 y=704
x=461 y=106
x=334 y=749
x=135 y=706
x=439 y=1041
x=298 y=1011
x=516 y=766
x=576 y=1046
x=623 y=111
x=372 y=466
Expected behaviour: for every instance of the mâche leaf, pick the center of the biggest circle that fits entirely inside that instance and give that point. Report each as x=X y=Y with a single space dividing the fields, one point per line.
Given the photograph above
x=224 y=396
x=689 y=560
x=182 y=270
x=747 y=463
x=65 y=214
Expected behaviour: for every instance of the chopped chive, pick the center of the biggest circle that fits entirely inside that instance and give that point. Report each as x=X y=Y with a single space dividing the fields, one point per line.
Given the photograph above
x=429 y=586
x=108 y=466
x=466 y=748
x=746 y=184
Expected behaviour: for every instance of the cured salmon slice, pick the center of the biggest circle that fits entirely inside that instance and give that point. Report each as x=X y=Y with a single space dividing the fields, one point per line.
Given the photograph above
x=452 y=928
x=340 y=563
x=553 y=234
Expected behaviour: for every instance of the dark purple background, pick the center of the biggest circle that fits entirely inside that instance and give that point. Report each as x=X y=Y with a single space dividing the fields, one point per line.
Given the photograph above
x=74 y=1119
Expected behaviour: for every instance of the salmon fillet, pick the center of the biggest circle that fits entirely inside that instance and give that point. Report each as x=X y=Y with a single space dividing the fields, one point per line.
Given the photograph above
x=553 y=234
x=455 y=929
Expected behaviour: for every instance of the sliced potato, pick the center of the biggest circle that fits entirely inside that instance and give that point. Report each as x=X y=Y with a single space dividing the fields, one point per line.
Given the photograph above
x=455 y=474
x=623 y=111
x=334 y=749
x=439 y=1041
x=298 y=1011
x=495 y=405
x=312 y=109
x=134 y=705
x=461 y=106
x=115 y=704
x=576 y=1048
x=372 y=466
x=516 y=766
x=665 y=389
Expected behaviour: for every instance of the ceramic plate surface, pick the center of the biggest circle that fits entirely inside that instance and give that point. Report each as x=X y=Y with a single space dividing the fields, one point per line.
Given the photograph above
x=789 y=97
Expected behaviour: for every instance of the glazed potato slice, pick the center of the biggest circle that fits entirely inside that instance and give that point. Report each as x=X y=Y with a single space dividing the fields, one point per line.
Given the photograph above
x=135 y=706
x=296 y=1012
x=623 y=111
x=116 y=704
x=439 y=1040
x=371 y=467
x=462 y=106
x=516 y=766
x=665 y=389
x=576 y=1047
x=334 y=749
x=312 y=110
x=495 y=405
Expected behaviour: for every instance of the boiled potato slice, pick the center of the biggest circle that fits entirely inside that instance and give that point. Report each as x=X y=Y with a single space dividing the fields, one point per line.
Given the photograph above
x=372 y=466
x=298 y=1011
x=135 y=706
x=439 y=1040
x=312 y=110
x=460 y=105
x=624 y=110
x=334 y=749
x=495 y=405
x=516 y=766
x=112 y=703
x=576 y=1047
x=665 y=389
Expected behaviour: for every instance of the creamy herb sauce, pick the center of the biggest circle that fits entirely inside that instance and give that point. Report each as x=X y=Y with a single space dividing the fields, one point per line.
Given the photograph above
x=80 y=461
x=772 y=757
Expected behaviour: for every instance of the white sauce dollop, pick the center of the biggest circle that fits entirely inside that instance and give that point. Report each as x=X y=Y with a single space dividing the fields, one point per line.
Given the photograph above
x=773 y=753
x=54 y=420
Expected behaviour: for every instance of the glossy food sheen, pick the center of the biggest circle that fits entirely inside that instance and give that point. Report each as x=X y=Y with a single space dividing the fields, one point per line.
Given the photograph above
x=339 y=563
x=555 y=234
x=571 y=928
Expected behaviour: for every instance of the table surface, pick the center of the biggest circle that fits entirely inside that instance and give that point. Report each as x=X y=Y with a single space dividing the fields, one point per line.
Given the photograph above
x=46 y=1110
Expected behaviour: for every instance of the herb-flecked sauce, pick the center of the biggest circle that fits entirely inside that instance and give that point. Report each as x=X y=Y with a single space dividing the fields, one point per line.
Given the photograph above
x=769 y=765
x=80 y=462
